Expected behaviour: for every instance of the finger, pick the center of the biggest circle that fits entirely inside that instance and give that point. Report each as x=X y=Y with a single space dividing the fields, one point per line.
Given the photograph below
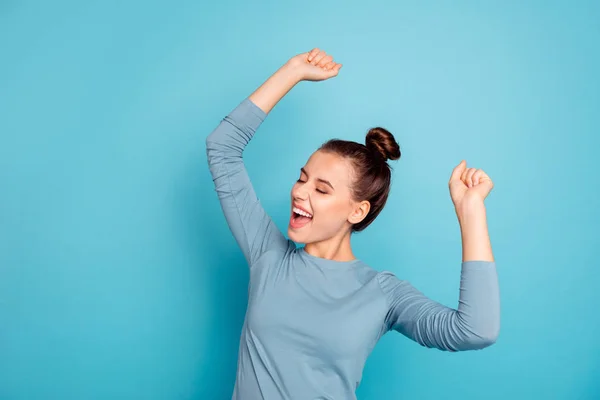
x=470 y=176
x=335 y=69
x=329 y=65
x=313 y=53
x=485 y=187
x=324 y=61
x=463 y=176
x=486 y=179
x=477 y=176
x=458 y=170
x=318 y=57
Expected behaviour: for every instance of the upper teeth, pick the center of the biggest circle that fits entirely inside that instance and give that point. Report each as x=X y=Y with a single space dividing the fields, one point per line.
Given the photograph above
x=299 y=211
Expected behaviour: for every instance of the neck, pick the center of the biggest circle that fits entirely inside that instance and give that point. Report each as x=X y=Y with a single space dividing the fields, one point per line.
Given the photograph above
x=337 y=248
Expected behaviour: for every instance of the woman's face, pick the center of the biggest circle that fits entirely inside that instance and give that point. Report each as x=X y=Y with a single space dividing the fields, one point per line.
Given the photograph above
x=322 y=193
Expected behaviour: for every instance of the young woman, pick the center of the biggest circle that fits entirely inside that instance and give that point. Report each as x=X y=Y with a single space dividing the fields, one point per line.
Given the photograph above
x=315 y=312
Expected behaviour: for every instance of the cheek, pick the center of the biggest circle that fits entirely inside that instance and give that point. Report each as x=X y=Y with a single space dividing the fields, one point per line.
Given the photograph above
x=330 y=210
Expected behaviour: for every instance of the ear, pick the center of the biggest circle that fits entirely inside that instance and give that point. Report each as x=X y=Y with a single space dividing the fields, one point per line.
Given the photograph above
x=359 y=212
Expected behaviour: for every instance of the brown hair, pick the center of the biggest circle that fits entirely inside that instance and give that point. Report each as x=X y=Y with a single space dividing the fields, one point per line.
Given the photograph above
x=372 y=173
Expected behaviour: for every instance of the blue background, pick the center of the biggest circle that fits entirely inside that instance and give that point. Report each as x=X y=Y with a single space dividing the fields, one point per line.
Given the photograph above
x=119 y=278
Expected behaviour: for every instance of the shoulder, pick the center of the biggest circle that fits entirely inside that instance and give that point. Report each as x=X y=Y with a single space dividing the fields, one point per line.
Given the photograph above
x=392 y=286
x=365 y=273
x=276 y=255
x=388 y=280
x=388 y=283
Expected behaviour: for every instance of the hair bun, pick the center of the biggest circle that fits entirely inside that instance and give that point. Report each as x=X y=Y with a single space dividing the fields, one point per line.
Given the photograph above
x=383 y=142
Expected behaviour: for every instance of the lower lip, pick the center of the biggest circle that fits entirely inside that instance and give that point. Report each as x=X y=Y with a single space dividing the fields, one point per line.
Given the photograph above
x=297 y=225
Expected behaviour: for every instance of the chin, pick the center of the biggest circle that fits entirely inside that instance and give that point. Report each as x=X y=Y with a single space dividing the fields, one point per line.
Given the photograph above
x=295 y=237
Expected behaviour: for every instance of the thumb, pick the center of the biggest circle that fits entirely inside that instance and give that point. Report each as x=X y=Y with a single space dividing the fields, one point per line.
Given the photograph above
x=458 y=170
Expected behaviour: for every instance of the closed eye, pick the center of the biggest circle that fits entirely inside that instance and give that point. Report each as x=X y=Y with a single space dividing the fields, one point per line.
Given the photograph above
x=318 y=190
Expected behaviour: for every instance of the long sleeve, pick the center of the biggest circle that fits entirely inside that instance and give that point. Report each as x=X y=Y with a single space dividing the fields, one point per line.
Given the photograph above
x=474 y=325
x=252 y=228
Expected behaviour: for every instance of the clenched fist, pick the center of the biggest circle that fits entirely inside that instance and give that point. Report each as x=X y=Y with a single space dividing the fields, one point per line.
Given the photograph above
x=468 y=183
x=315 y=65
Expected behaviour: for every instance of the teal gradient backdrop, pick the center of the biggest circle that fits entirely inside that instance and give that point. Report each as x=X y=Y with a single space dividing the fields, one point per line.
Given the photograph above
x=119 y=278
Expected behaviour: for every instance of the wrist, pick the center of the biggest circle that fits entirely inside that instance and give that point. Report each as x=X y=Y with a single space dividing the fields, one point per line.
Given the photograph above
x=470 y=208
x=475 y=237
x=291 y=72
x=275 y=88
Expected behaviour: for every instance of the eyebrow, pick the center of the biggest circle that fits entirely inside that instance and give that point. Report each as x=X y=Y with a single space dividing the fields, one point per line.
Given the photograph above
x=319 y=179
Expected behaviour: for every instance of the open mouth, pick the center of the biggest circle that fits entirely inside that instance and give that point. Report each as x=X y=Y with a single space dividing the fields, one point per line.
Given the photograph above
x=299 y=218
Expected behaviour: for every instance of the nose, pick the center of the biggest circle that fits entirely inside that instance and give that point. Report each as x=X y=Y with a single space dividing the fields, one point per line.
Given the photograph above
x=299 y=193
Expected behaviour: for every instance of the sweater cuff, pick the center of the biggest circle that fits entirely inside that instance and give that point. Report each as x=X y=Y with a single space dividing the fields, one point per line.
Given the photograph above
x=478 y=264
x=248 y=114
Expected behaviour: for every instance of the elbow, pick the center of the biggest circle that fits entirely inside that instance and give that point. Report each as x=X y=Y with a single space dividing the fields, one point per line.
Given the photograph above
x=483 y=339
x=210 y=140
x=208 y=145
x=216 y=137
x=213 y=146
x=477 y=336
x=482 y=342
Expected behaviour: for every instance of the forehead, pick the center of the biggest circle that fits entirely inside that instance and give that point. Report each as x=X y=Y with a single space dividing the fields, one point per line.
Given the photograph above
x=330 y=167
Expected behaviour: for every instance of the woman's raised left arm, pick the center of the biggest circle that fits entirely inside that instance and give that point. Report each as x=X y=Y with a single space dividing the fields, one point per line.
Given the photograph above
x=475 y=323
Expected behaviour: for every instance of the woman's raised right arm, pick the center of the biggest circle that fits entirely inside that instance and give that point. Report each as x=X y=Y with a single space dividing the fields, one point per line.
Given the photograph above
x=250 y=225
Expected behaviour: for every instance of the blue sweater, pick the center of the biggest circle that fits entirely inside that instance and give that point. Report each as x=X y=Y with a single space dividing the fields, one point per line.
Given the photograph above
x=312 y=322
